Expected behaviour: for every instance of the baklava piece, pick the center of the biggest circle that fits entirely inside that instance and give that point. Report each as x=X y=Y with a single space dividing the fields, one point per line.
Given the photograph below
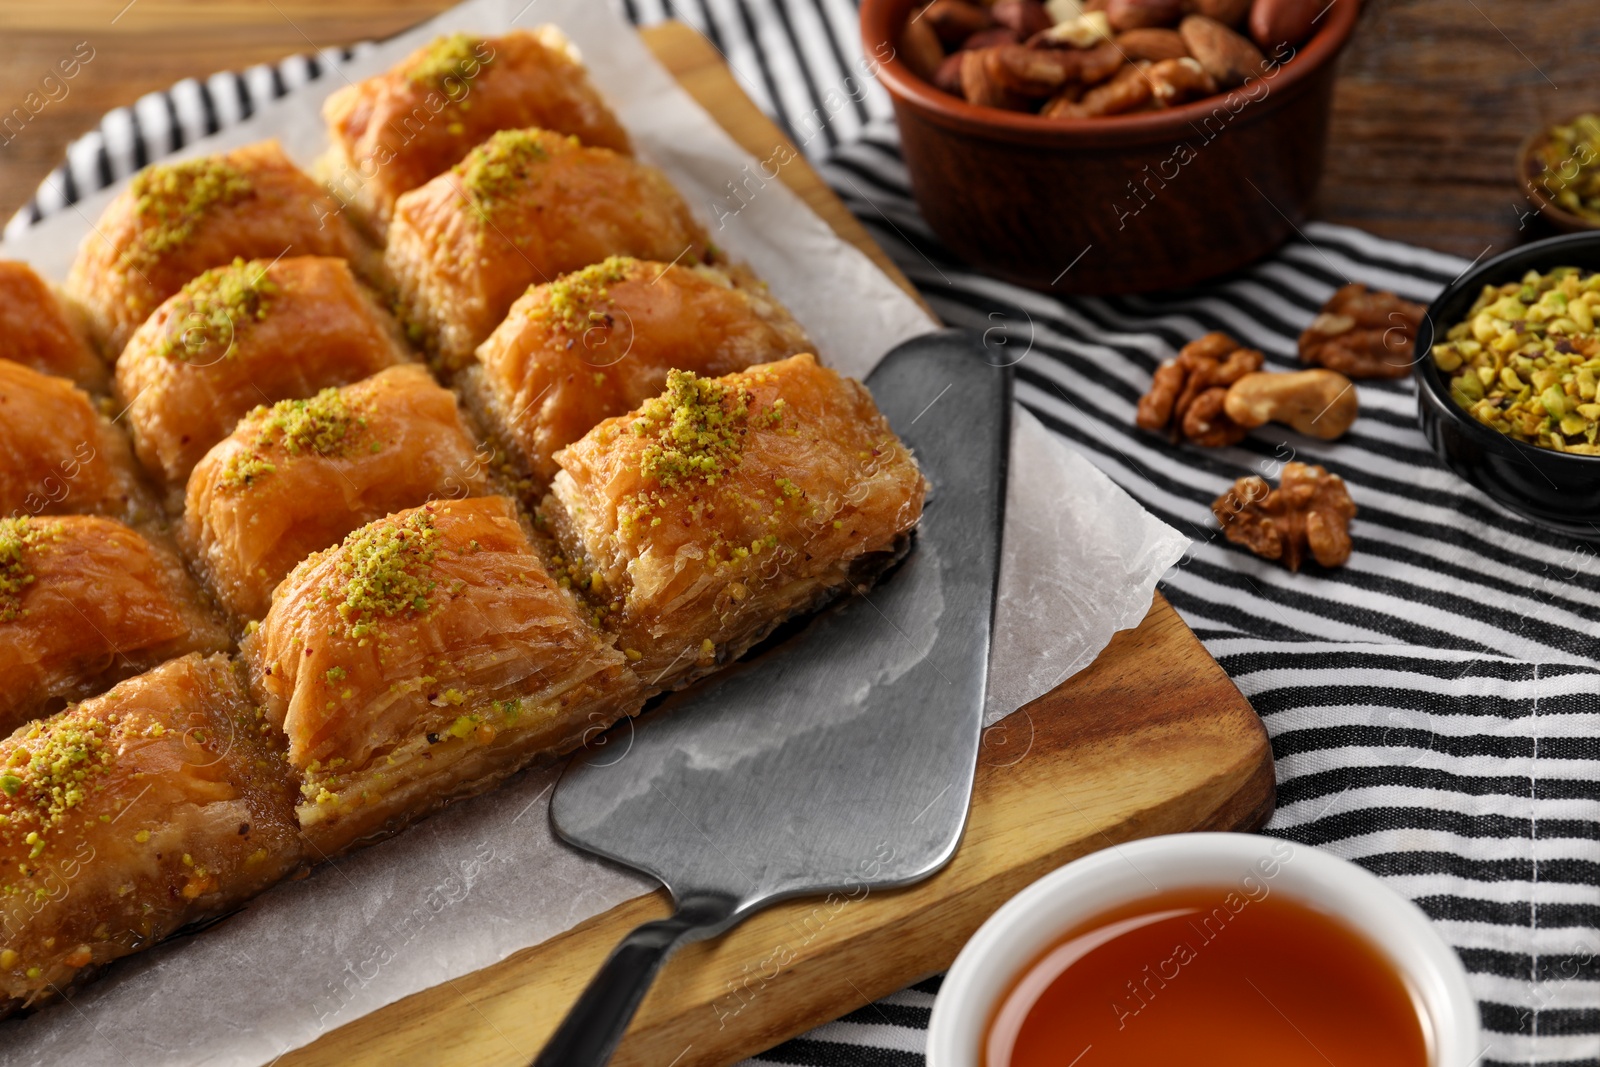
x=129 y=816
x=59 y=455
x=726 y=505
x=176 y=220
x=393 y=132
x=85 y=601
x=524 y=208
x=45 y=330
x=599 y=342
x=296 y=477
x=243 y=335
x=425 y=658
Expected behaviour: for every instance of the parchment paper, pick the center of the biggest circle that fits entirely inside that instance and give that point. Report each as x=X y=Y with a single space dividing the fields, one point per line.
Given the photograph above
x=487 y=877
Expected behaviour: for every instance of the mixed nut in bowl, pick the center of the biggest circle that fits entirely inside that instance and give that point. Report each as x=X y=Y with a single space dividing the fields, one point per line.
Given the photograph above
x=1508 y=366
x=1113 y=146
x=1559 y=167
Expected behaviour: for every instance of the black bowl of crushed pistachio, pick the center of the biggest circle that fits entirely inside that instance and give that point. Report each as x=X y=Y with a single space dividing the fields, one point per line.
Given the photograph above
x=1508 y=380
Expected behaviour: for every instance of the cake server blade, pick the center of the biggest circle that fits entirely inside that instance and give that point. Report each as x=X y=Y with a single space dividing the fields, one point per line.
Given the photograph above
x=838 y=759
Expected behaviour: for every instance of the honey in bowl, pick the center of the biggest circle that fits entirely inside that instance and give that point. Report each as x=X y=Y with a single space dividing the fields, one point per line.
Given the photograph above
x=1209 y=978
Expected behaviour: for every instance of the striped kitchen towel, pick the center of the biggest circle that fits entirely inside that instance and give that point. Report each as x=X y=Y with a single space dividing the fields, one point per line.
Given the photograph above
x=1434 y=706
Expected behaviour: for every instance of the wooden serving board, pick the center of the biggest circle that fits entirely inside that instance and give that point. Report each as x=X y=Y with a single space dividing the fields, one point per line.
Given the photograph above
x=1152 y=738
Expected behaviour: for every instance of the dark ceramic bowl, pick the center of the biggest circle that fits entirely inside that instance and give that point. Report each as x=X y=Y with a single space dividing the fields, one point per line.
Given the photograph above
x=1529 y=172
x=1155 y=200
x=1556 y=489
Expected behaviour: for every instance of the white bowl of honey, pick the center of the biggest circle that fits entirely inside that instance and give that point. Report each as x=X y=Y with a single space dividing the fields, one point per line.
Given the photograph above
x=1206 y=950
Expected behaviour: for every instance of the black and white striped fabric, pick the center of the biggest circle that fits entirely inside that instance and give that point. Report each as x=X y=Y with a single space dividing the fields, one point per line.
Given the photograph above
x=1434 y=705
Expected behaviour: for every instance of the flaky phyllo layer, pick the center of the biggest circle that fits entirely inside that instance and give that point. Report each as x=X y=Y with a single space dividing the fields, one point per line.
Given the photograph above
x=427 y=656
x=525 y=207
x=599 y=342
x=161 y=803
x=703 y=519
x=295 y=477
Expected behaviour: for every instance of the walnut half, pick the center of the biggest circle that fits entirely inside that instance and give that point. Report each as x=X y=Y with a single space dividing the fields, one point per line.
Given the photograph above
x=1310 y=510
x=1187 y=393
x=1363 y=334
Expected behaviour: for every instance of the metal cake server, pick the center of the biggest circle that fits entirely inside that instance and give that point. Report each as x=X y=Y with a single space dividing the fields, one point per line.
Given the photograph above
x=841 y=758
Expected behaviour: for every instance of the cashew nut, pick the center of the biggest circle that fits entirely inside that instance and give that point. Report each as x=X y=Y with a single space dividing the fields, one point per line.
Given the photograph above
x=1319 y=403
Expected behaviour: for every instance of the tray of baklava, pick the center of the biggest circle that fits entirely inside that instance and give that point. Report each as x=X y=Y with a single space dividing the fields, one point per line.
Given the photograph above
x=334 y=497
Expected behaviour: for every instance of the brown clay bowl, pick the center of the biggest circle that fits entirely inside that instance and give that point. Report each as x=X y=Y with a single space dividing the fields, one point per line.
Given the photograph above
x=1530 y=170
x=1155 y=200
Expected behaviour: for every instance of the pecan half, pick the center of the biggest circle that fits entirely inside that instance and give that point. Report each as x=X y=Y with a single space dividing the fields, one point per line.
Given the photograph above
x=1129 y=90
x=983 y=81
x=1177 y=81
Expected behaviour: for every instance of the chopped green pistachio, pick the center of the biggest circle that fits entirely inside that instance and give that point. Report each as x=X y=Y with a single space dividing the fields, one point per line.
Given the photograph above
x=454 y=55
x=502 y=165
x=577 y=300
x=387 y=570
x=17 y=537
x=696 y=429
x=173 y=199
x=213 y=308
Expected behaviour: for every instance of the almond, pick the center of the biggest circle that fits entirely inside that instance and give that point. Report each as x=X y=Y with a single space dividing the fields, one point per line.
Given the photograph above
x=1226 y=56
x=1230 y=13
x=1142 y=14
x=956 y=20
x=920 y=47
x=1285 y=23
x=1152 y=44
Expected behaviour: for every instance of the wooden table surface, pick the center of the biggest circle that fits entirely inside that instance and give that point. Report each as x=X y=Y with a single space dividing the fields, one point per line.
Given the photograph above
x=1434 y=95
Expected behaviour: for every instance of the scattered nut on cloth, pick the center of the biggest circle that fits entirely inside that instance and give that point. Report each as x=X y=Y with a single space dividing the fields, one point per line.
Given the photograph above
x=1188 y=394
x=1310 y=510
x=1363 y=334
x=1318 y=403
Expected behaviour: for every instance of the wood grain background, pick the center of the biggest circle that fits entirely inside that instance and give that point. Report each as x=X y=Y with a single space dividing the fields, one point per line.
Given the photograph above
x=1434 y=95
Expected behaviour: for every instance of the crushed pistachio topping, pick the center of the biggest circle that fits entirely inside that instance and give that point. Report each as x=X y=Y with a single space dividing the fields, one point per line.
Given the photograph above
x=17 y=537
x=324 y=425
x=387 y=570
x=213 y=308
x=52 y=768
x=321 y=424
x=1526 y=360
x=173 y=198
x=454 y=55
x=244 y=469
x=502 y=165
x=581 y=299
x=696 y=429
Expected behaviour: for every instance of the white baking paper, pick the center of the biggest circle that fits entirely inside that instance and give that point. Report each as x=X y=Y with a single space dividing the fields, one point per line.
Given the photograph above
x=487 y=877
